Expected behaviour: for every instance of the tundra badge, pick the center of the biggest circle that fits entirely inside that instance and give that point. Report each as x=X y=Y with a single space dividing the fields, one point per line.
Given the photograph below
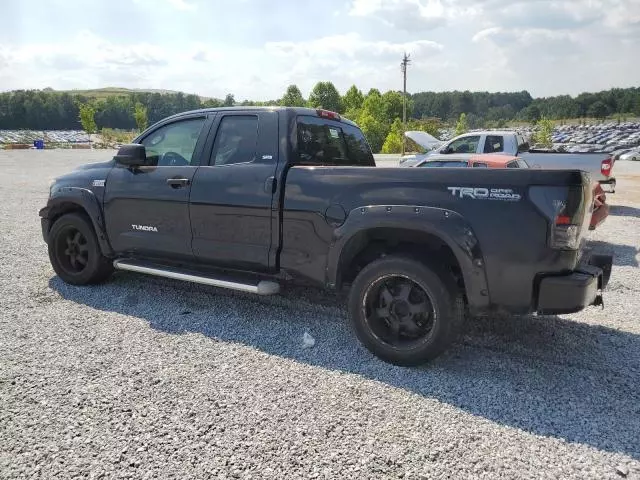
x=144 y=228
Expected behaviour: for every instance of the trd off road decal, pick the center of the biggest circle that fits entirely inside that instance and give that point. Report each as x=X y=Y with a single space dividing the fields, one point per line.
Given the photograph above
x=482 y=193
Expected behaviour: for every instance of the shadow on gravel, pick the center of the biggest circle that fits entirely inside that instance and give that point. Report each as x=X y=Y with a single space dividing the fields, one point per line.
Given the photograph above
x=624 y=211
x=545 y=375
x=623 y=255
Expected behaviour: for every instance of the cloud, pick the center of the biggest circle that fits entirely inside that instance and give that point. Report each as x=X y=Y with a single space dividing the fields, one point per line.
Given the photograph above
x=181 y=5
x=409 y=15
x=353 y=47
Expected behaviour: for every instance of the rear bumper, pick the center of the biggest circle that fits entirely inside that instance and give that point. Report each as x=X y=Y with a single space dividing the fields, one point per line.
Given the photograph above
x=577 y=290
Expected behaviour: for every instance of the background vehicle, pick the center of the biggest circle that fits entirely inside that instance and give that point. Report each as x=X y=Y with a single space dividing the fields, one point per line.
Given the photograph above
x=600 y=208
x=631 y=155
x=248 y=198
x=422 y=139
x=598 y=165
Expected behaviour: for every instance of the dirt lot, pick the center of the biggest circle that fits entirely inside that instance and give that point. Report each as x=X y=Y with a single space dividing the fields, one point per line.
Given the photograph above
x=151 y=378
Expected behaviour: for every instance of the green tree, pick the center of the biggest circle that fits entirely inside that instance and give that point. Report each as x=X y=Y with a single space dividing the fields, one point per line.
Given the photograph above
x=140 y=116
x=87 y=115
x=461 y=126
x=325 y=95
x=229 y=100
x=374 y=105
x=353 y=99
x=293 y=97
x=393 y=106
x=393 y=142
x=598 y=109
x=543 y=132
x=372 y=120
x=352 y=103
x=374 y=130
x=430 y=125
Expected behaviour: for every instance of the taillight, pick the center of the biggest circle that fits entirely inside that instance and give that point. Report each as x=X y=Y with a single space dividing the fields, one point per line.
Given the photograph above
x=564 y=208
x=328 y=114
x=605 y=167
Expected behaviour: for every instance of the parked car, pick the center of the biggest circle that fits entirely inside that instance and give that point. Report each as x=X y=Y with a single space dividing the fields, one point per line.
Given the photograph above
x=631 y=155
x=599 y=166
x=249 y=198
x=600 y=208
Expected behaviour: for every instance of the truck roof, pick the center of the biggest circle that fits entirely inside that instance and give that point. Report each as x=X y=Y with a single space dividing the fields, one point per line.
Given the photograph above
x=318 y=112
x=491 y=132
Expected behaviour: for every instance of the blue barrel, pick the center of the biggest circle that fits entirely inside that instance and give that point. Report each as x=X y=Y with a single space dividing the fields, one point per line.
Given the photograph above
x=39 y=144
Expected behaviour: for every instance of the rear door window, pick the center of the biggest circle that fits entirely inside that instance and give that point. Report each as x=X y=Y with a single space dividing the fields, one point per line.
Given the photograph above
x=236 y=140
x=494 y=144
x=322 y=142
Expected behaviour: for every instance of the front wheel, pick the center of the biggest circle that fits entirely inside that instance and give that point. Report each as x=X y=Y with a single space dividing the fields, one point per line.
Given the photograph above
x=403 y=311
x=74 y=251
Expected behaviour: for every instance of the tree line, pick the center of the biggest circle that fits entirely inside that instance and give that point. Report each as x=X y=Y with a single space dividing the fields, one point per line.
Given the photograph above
x=377 y=113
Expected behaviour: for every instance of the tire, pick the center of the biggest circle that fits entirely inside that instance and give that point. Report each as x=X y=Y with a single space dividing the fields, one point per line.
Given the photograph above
x=74 y=251
x=377 y=315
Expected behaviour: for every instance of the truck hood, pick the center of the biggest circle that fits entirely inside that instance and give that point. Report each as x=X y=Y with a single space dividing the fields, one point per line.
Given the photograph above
x=423 y=139
x=91 y=166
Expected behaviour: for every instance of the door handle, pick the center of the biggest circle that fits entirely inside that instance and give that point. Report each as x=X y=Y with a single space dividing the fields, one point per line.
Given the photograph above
x=177 y=182
x=270 y=185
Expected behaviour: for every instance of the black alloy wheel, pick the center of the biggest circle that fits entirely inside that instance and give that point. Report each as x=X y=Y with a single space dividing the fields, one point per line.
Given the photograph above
x=399 y=311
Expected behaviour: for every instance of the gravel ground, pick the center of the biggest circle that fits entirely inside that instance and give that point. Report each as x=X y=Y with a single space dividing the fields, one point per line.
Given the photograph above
x=151 y=378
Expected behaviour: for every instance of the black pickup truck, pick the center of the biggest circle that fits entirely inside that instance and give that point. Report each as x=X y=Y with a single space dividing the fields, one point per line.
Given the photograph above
x=254 y=198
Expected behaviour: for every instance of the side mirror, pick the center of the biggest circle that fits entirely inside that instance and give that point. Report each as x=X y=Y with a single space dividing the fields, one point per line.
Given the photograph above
x=131 y=155
x=446 y=150
x=523 y=147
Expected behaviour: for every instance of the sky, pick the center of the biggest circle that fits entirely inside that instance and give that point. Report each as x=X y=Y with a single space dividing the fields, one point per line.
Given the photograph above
x=256 y=48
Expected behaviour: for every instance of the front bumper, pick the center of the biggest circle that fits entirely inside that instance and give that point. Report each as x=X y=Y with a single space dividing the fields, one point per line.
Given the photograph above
x=45 y=223
x=577 y=290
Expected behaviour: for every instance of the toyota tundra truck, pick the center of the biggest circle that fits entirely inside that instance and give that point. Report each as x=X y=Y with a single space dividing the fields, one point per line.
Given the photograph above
x=253 y=199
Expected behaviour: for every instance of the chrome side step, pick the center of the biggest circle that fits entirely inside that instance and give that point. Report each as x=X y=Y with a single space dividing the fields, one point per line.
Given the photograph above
x=264 y=287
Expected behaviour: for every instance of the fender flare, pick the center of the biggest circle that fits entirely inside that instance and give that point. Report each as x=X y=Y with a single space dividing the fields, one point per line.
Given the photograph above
x=86 y=200
x=448 y=226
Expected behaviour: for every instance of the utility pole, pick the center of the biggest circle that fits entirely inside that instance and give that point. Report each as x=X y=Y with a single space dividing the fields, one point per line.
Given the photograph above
x=405 y=62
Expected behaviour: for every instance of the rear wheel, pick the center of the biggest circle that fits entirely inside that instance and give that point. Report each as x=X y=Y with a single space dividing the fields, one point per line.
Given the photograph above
x=74 y=251
x=403 y=311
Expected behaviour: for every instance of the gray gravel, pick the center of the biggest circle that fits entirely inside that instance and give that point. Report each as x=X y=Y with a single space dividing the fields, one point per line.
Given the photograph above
x=151 y=378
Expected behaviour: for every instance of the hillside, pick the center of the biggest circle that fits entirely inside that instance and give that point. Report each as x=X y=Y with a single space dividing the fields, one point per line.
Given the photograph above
x=103 y=93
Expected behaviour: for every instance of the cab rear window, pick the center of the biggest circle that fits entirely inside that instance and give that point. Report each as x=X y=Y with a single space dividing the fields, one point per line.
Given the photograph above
x=326 y=142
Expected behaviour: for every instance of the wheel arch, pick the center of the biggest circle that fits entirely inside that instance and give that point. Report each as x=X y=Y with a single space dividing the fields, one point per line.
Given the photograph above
x=81 y=200
x=434 y=235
